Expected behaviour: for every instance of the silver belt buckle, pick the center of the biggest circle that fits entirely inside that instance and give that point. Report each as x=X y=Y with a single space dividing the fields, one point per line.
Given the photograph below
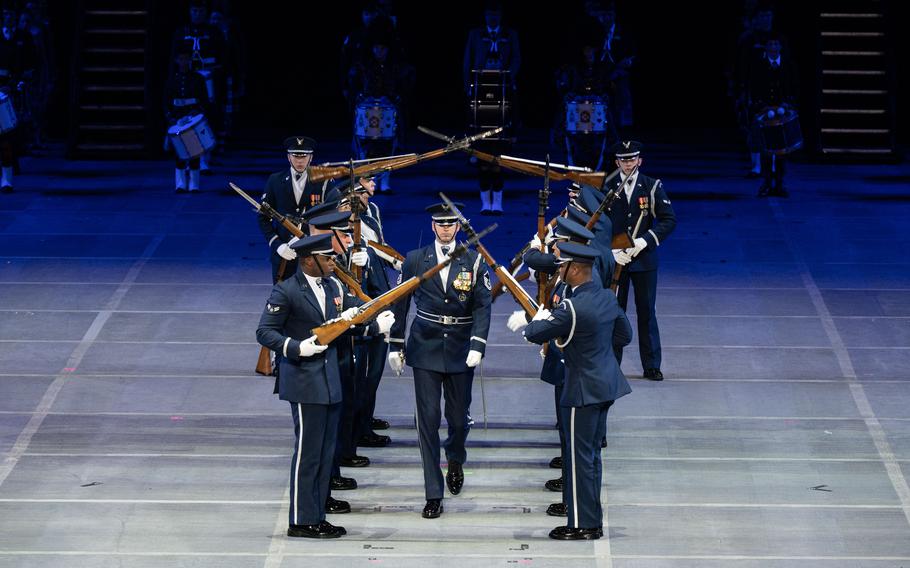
x=449 y=320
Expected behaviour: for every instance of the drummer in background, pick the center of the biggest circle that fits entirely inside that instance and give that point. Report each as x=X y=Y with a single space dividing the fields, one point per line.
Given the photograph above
x=206 y=43
x=16 y=55
x=587 y=79
x=185 y=95
x=773 y=90
x=492 y=47
x=384 y=77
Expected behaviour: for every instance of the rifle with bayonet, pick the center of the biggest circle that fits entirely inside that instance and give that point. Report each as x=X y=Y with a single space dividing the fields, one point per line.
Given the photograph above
x=334 y=328
x=321 y=173
x=521 y=296
x=356 y=205
x=264 y=361
x=543 y=197
x=526 y=167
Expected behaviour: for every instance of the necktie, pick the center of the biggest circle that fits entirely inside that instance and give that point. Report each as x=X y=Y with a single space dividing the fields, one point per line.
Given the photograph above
x=445 y=250
x=297 y=176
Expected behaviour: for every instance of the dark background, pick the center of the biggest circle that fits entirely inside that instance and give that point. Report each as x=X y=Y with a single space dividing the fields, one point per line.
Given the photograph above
x=293 y=72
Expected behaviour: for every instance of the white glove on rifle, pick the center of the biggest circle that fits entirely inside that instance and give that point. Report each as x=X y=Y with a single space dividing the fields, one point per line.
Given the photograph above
x=385 y=320
x=541 y=314
x=517 y=320
x=640 y=245
x=360 y=258
x=308 y=347
x=535 y=242
x=396 y=361
x=621 y=257
x=473 y=359
x=286 y=252
x=349 y=314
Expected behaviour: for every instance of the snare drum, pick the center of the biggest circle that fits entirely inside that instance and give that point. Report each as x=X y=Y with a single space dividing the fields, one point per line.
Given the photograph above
x=375 y=118
x=586 y=115
x=191 y=136
x=779 y=134
x=8 y=120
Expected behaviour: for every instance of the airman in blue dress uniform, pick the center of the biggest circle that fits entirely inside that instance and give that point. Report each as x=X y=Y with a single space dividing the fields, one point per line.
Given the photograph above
x=585 y=326
x=447 y=340
x=309 y=377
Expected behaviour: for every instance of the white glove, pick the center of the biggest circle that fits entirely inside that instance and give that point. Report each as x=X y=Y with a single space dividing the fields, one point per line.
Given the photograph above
x=543 y=355
x=396 y=361
x=286 y=252
x=397 y=264
x=349 y=314
x=473 y=359
x=308 y=347
x=640 y=245
x=535 y=242
x=541 y=314
x=517 y=320
x=385 y=320
x=621 y=257
x=360 y=258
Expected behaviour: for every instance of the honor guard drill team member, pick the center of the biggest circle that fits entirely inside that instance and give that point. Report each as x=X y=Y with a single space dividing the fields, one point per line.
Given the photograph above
x=309 y=377
x=371 y=351
x=289 y=193
x=585 y=326
x=553 y=369
x=447 y=340
x=641 y=197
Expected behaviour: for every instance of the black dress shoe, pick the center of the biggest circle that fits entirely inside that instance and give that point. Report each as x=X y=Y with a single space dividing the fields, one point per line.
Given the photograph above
x=556 y=463
x=178 y=190
x=432 y=509
x=566 y=533
x=455 y=477
x=780 y=191
x=603 y=442
x=354 y=461
x=554 y=484
x=6 y=189
x=329 y=526
x=653 y=375
x=558 y=510
x=314 y=531
x=342 y=483
x=337 y=506
x=374 y=440
x=379 y=424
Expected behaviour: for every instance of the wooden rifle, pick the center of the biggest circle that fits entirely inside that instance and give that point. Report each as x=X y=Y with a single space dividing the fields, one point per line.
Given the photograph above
x=595 y=179
x=386 y=250
x=322 y=173
x=356 y=206
x=521 y=296
x=543 y=197
x=264 y=361
x=348 y=279
x=331 y=330
x=514 y=265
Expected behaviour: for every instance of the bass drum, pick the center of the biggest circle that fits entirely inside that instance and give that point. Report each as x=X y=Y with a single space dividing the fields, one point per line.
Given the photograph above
x=585 y=115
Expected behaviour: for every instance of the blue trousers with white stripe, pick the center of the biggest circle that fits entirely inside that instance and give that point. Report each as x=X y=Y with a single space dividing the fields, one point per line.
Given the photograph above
x=315 y=433
x=583 y=428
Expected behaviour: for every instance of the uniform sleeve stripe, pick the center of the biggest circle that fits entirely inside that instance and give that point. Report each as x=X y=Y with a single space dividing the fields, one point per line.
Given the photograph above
x=272 y=240
x=475 y=338
x=284 y=349
x=656 y=240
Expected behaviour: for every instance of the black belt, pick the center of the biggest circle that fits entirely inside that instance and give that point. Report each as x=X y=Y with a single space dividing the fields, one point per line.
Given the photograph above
x=445 y=320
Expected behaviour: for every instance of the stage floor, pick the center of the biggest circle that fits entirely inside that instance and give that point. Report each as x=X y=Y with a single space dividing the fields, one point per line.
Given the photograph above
x=134 y=433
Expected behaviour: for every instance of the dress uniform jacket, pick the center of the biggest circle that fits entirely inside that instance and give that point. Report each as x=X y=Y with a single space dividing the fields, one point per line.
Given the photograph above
x=279 y=193
x=291 y=313
x=437 y=346
x=657 y=224
x=586 y=327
